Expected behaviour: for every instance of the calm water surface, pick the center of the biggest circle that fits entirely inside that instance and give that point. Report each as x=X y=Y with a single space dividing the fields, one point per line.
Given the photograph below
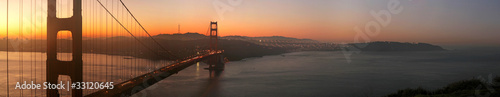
x=328 y=74
x=30 y=66
x=295 y=74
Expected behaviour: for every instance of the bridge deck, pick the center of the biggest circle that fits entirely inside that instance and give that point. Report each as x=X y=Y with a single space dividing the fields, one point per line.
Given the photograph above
x=132 y=86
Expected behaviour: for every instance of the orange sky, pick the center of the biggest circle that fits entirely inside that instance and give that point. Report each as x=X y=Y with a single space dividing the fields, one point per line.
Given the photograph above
x=429 y=21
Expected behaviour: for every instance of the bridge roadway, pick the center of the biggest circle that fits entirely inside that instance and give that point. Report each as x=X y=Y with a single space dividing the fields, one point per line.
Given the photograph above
x=132 y=86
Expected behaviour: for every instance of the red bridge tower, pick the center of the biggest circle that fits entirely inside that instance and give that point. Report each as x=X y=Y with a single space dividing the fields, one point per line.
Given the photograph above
x=216 y=62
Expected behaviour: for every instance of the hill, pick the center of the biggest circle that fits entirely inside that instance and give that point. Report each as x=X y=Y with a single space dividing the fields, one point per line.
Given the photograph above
x=396 y=46
x=465 y=88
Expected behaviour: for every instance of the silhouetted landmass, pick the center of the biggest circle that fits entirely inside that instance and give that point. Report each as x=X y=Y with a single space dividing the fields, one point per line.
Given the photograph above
x=240 y=47
x=465 y=88
x=280 y=38
x=185 y=36
x=185 y=45
x=291 y=44
x=396 y=46
x=233 y=49
x=127 y=46
x=237 y=50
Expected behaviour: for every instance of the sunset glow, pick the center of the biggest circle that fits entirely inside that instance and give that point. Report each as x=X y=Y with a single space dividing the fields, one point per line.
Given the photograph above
x=328 y=21
x=249 y=48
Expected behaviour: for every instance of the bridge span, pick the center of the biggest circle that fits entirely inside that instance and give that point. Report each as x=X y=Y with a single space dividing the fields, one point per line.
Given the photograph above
x=132 y=86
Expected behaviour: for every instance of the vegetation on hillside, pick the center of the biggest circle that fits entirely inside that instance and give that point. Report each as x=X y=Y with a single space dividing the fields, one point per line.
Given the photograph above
x=465 y=88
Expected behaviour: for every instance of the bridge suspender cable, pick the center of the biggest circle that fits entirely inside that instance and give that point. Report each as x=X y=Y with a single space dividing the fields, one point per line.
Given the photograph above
x=34 y=49
x=146 y=30
x=21 y=59
x=7 y=40
x=107 y=45
x=127 y=29
x=31 y=48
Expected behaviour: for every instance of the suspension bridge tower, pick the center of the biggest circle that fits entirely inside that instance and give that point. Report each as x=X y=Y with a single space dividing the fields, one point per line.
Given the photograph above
x=55 y=67
x=216 y=62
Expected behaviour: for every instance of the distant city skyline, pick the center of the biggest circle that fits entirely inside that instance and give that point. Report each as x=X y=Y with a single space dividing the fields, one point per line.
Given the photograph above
x=430 y=21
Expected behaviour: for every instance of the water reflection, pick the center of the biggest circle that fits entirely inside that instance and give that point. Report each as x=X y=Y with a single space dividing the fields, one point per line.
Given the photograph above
x=197 y=69
x=212 y=89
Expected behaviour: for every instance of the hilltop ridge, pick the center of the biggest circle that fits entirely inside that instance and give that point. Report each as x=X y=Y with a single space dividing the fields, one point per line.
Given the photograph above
x=396 y=46
x=236 y=47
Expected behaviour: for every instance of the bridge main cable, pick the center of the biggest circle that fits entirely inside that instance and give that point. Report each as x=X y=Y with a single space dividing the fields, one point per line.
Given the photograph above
x=129 y=30
x=125 y=6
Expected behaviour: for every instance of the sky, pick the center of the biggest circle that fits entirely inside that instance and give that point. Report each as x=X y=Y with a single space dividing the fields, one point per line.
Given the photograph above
x=430 y=21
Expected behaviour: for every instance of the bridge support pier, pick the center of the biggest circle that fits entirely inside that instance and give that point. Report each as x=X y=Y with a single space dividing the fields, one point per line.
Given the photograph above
x=216 y=63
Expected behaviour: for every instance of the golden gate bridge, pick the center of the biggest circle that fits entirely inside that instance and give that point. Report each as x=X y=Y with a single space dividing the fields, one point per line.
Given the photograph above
x=87 y=44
